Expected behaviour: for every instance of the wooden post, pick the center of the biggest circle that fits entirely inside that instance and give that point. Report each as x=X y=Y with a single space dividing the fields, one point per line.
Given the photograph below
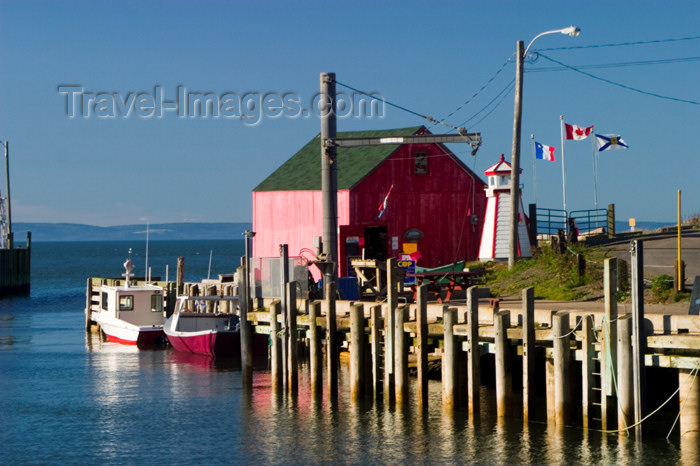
x=331 y=341
x=473 y=353
x=625 y=386
x=283 y=279
x=245 y=334
x=88 y=305
x=422 y=345
x=504 y=383
x=611 y=220
x=392 y=301
x=180 y=279
x=315 y=363
x=639 y=338
x=400 y=355
x=689 y=397
x=376 y=316
x=275 y=356
x=449 y=356
x=291 y=338
x=608 y=360
x=587 y=368
x=562 y=356
x=528 y=352
x=357 y=334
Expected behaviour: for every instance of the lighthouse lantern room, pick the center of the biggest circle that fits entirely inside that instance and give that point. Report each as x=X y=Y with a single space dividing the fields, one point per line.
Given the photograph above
x=495 y=237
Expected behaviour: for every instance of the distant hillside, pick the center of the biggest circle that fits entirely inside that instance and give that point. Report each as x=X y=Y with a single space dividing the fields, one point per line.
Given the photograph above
x=162 y=231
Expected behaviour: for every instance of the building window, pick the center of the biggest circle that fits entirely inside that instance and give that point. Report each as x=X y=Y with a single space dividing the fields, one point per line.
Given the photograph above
x=421 y=163
x=126 y=303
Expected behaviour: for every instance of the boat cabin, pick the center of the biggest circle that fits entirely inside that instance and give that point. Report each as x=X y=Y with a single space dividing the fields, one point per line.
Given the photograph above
x=137 y=305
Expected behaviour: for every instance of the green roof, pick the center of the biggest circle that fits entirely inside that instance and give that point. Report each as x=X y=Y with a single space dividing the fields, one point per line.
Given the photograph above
x=302 y=172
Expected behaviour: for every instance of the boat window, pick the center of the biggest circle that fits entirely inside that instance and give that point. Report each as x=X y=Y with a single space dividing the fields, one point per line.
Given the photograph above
x=126 y=303
x=157 y=303
x=104 y=300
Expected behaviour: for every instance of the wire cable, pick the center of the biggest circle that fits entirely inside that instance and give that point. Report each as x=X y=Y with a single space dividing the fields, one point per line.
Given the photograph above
x=630 y=88
x=504 y=92
x=624 y=44
x=425 y=117
x=477 y=92
x=666 y=61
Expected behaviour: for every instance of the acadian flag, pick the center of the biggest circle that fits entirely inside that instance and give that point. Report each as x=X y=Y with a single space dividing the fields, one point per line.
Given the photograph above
x=382 y=207
x=544 y=152
x=610 y=141
x=577 y=132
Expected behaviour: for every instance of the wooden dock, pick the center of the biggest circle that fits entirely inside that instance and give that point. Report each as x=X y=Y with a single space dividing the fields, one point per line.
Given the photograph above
x=581 y=364
x=15 y=269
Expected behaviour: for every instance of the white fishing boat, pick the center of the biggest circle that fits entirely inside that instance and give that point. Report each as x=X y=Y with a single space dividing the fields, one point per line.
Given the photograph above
x=131 y=314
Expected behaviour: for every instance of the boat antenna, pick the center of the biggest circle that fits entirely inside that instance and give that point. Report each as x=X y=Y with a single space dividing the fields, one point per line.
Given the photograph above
x=128 y=266
x=209 y=273
x=146 y=274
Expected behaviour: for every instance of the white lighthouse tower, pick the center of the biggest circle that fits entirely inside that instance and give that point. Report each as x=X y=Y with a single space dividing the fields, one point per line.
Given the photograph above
x=495 y=238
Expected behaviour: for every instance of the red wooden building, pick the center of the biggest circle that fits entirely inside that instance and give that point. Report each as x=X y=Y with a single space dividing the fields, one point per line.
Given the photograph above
x=435 y=209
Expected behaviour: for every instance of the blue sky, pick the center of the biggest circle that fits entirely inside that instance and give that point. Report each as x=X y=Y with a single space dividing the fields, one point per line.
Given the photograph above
x=428 y=57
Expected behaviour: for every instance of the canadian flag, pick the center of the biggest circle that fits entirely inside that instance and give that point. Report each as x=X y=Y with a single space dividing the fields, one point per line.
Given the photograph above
x=577 y=132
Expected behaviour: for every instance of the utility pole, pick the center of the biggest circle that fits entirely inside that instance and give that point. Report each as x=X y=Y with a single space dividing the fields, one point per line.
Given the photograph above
x=329 y=176
x=515 y=159
x=10 y=236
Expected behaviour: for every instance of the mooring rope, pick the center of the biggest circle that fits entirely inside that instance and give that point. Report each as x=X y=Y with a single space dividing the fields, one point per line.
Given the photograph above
x=695 y=369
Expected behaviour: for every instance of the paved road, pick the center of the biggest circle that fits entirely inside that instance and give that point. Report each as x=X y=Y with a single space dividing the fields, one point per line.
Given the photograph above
x=660 y=255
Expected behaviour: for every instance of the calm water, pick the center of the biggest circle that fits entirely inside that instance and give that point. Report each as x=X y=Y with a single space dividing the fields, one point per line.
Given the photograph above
x=68 y=399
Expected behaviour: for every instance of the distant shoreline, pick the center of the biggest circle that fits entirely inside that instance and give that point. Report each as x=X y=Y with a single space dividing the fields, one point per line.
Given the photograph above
x=49 y=232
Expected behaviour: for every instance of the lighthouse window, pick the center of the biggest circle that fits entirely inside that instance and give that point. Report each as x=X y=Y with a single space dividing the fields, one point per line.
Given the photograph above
x=421 y=163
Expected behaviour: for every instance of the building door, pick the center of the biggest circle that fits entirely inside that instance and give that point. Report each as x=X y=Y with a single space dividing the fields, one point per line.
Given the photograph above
x=376 y=246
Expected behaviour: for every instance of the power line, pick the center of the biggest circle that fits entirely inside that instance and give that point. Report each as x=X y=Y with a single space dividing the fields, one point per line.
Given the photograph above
x=665 y=61
x=504 y=92
x=630 y=88
x=625 y=44
x=477 y=92
x=425 y=117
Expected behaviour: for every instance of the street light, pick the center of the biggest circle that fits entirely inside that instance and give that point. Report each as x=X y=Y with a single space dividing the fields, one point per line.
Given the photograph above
x=517 y=120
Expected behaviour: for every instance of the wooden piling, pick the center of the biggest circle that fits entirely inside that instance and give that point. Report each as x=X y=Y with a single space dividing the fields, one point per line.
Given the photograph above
x=400 y=355
x=689 y=397
x=331 y=341
x=392 y=301
x=562 y=357
x=375 y=322
x=357 y=334
x=449 y=356
x=284 y=278
x=246 y=337
x=315 y=356
x=276 y=372
x=291 y=338
x=180 y=278
x=528 y=312
x=587 y=370
x=608 y=359
x=473 y=353
x=625 y=384
x=504 y=383
x=422 y=345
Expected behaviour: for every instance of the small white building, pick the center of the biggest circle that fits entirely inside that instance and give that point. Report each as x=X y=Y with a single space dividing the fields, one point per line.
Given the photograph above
x=495 y=237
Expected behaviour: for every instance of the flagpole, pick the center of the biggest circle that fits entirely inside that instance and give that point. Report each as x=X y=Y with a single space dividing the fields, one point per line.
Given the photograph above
x=563 y=170
x=534 y=167
x=595 y=174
